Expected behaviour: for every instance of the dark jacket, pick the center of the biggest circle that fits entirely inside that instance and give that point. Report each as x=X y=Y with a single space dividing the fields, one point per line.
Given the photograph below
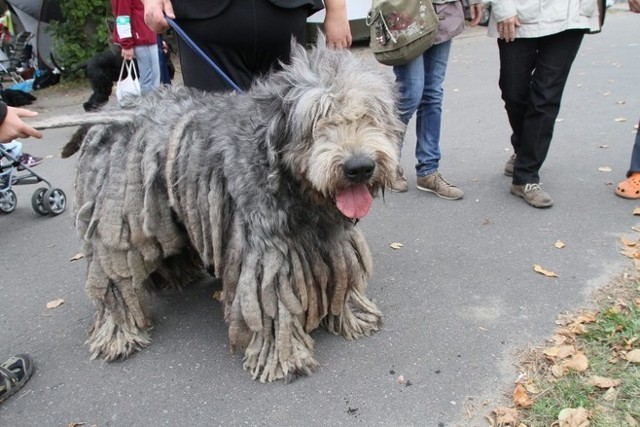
x=203 y=9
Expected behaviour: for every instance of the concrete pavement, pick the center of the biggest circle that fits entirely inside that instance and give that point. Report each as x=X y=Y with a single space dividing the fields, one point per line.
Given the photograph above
x=459 y=297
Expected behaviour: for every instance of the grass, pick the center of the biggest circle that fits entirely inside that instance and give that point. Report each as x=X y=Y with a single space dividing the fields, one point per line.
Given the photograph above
x=583 y=366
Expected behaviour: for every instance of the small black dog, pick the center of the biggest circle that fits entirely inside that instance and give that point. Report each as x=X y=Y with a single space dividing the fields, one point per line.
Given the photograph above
x=16 y=98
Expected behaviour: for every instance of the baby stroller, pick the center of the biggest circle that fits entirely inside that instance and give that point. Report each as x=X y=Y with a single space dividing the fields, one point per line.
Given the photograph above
x=45 y=201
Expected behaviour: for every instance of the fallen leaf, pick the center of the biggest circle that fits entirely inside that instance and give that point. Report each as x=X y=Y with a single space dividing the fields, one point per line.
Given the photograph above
x=620 y=119
x=630 y=420
x=633 y=356
x=505 y=416
x=628 y=242
x=604 y=146
x=604 y=169
x=610 y=395
x=217 y=295
x=578 y=362
x=559 y=244
x=55 y=303
x=77 y=256
x=557 y=371
x=636 y=211
x=521 y=398
x=570 y=417
x=603 y=382
x=396 y=245
x=538 y=269
x=560 y=352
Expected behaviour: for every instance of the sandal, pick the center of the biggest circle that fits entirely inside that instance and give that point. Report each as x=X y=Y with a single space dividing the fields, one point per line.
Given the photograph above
x=14 y=373
x=629 y=188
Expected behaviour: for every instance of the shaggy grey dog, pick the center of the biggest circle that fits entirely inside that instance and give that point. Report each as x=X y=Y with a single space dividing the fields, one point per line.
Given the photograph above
x=263 y=189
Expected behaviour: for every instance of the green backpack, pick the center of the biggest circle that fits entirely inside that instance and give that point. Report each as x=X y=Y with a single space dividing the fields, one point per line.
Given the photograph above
x=401 y=30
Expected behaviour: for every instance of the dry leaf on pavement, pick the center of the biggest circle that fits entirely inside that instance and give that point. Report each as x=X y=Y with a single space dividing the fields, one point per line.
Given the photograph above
x=55 y=303
x=521 y=397
x=538 y=269
x=505 y=416
x=77 y=256
x=396 y=245
x=559 y=244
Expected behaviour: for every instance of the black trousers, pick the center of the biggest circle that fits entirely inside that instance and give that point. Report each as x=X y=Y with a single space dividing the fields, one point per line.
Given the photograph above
x=533 y=74
x=246 y=40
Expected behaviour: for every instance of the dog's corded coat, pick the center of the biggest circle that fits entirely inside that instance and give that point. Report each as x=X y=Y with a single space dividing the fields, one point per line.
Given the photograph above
x=261 y=188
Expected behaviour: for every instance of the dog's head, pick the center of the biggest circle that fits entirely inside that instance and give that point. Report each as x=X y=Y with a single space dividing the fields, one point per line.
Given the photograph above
x=336 y=125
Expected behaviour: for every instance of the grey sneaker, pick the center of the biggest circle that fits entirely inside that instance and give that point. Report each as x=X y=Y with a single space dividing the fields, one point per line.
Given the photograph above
x=400 y=185
x=508 y=168
x=532 y=194
x=435 y=183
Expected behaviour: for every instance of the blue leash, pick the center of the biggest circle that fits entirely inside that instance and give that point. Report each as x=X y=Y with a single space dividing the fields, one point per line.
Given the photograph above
x=203 y=55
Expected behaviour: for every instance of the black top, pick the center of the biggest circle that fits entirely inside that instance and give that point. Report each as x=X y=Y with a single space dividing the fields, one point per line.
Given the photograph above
x=203 y=9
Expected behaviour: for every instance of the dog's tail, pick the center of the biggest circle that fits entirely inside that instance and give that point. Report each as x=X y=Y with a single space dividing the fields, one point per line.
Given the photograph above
x=74 y=144
x=85 y=121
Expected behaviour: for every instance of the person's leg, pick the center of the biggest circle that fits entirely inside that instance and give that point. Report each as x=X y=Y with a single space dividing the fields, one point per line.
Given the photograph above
x=428 y=123
x=635 y=154
x=517 y=61
x=429 y=117
x=553 y=64
x=410 y=83
x=630 y=187
x=148 y=67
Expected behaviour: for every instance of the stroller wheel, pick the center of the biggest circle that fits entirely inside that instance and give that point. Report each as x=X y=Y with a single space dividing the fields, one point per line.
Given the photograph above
x=8 y=201
x=57 y=201
x=38 y=202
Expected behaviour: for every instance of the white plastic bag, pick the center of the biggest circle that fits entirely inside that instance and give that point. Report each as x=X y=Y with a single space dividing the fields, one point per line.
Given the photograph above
x=128 y=86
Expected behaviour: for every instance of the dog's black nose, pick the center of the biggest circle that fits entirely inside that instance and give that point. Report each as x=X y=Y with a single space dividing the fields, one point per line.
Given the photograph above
x=359 y=168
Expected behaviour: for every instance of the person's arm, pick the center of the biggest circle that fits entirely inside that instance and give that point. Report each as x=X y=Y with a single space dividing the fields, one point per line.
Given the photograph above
x=124 y=30
x=504 y=12
x=475 y=8
x=12 y=126
x=154 y=12
x=634 y=6
x=336 y=24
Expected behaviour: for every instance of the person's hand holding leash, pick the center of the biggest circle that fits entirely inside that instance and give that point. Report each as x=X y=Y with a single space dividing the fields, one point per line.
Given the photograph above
x=154 y=13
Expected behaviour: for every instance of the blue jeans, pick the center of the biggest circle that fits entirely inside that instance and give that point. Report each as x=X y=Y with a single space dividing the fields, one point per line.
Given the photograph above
x=149 y=67
x=421 y=86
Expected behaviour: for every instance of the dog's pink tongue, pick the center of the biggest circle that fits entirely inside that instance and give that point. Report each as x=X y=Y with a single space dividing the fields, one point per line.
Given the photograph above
x=354 y=202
